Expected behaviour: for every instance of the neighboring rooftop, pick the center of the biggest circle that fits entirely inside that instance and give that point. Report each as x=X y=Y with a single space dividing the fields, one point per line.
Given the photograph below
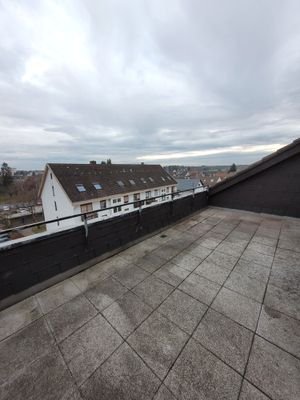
x=207 y=309
x=92 y=181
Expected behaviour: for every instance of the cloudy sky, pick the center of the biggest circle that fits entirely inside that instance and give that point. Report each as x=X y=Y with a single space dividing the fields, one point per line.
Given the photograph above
x=167 y=81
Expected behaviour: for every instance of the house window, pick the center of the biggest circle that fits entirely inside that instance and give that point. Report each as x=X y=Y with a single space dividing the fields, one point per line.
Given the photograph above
x=117 y=209
x=80 y=187
x=103 y=204
x=151 y=179
x=143 y=180
x=168 y=190
x=148 y=195
x=126 y=199
x=97 y=186
x=55 y=206
x=163 y=179
x=120 y=183
x=84 y=208
x=53 y=191
x=173 y=189
x=117 y=200
x=136 y=198
x=51 y=176
x=132 y=182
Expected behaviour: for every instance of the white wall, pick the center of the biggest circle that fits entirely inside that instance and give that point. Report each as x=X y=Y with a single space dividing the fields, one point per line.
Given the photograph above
x=64 y=205
x=66 y=208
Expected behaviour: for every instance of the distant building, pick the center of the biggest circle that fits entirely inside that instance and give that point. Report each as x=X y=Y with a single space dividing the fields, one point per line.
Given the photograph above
x=189 y=184
x=70 y=189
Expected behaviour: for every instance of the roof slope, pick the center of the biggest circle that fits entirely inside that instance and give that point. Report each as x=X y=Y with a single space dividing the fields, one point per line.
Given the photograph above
x=107 y=175
x=267 y=162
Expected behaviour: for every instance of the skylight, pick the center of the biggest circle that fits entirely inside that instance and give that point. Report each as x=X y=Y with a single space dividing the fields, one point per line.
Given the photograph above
x=151 y=179
x=97 y=186
x=80 y=187
x=163 y=178
x=120 y=183
x=132 y=181
x=143 y=180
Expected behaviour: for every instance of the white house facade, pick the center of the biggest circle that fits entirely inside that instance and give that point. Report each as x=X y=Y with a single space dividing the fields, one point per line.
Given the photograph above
x=71 y=189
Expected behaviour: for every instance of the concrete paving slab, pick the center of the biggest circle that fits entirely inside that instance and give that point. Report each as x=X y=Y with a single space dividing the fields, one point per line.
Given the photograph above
x=183 y=310
x=250 y=392
x=200 y=288
x=258 y=258
x=285 y=301
x=18 y=316
x=24 y=347
x=280 y=329
x=150 y=262
x=57 y=295
x=237 y=307
x=166 y=252
x=89 y=277
x=230 y=248
x=186 y=260
x=199 y=251
x=67 y=318
x=86 y=349
x=104 y=293
x=127 y=313
x=198 y=374
x=123 y=376
x=246 y=286
x=225 y=338
x=222 y=260
x=172 y=274
x=262 y=248
x=153 y=291
x=46 y=378
x=164 y=394
x=286 y=276
x=212 y=272
x=274 y=371
x=131 y=276
x=158 y=342
x=252 y=270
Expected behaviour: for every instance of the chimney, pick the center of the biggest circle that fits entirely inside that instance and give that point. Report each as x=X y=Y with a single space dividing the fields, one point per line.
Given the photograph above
x=93 y=162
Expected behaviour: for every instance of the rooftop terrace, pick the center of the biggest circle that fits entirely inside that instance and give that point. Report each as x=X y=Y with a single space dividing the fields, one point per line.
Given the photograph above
x=207 y=309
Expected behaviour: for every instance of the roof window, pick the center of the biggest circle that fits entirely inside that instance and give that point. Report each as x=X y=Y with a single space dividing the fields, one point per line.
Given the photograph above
x=80 y=187
x=143 y=180
x=132 y=182
x=151 y=179
x=120 y=183
x=163 y=179
x=97 y=186
x=169 y=178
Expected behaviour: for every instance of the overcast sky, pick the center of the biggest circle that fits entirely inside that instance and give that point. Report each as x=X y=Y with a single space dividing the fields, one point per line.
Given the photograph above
x=169 y=81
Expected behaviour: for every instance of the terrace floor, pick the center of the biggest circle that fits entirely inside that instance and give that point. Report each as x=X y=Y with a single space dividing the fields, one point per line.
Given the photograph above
x=208 y=309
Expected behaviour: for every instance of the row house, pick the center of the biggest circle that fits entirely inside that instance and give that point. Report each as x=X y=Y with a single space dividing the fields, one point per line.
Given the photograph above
x=70 y=189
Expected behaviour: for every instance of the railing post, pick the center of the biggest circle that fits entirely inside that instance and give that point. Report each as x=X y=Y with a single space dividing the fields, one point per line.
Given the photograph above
x=86 y=228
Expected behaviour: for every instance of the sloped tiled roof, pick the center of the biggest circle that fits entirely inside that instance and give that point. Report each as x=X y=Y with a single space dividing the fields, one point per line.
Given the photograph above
x=107 y=175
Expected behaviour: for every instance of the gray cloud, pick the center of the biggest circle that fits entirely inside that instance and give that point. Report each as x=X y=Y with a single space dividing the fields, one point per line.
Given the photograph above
x=122 y=80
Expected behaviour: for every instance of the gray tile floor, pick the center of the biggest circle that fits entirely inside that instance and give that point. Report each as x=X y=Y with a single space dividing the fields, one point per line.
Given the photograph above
x=208 y=309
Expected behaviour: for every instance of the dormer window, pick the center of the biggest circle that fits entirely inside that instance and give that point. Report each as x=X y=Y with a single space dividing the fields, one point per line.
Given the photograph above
x=97 y=186
x=80 y=187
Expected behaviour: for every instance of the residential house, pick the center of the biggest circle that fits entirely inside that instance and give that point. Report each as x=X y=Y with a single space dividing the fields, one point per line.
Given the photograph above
x=70 y=189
